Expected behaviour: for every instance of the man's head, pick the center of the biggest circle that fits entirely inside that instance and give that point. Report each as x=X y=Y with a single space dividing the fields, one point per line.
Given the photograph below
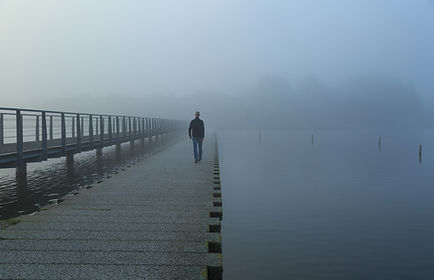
x=197 y=114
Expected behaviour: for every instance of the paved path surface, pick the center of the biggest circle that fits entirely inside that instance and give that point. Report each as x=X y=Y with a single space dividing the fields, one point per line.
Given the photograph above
x=150 y=221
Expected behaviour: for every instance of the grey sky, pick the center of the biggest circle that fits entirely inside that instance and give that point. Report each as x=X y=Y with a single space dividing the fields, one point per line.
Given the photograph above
x=55 y=53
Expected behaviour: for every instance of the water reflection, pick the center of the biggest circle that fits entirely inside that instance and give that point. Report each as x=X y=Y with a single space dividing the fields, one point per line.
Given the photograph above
x=342 y=210
x=47 y=182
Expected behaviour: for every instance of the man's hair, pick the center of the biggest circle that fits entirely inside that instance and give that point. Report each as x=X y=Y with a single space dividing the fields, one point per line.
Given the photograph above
x=197 y=114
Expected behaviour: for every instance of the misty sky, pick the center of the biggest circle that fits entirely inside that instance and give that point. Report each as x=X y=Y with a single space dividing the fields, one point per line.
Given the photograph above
x=169 y=58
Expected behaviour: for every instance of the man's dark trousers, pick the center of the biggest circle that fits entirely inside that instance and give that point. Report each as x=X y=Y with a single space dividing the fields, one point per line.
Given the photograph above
x=197 y=141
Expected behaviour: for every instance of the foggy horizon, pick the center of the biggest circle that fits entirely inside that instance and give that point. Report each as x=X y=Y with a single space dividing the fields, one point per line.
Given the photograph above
x=245 y=64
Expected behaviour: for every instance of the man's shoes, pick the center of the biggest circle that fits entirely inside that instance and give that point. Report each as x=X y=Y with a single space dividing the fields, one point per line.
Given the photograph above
x=195 y=161
x=200 y=158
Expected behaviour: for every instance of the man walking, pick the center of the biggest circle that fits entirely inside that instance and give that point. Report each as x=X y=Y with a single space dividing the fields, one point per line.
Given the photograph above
x=197 y=130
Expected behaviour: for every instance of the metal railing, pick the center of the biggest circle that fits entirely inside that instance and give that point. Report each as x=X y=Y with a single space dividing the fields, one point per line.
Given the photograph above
x=35 y=135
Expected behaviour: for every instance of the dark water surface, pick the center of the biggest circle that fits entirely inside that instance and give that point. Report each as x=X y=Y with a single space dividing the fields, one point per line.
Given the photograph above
x=49 y=181
x=342 y=208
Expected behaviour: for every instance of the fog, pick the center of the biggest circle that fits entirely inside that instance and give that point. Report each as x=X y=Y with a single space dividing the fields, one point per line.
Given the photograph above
x=243 y=64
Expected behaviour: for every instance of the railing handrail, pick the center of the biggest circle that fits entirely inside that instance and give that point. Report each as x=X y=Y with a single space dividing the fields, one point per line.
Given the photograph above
x=73 y=113
x=73 y=127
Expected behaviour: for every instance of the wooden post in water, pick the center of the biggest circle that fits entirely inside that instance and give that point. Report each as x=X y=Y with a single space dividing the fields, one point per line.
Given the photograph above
x=260 y=138
x=379 y=143
x=313 y=140
x=420 y=153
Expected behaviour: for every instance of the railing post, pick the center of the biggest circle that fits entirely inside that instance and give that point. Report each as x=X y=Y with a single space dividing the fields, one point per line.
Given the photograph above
x=129 y=128
x=118 y=132
x=139 y=130
x=44 y=155
x=78 y=139
x=51 y=127
x=96 y=127
x=135 y=128
x=90 y=132
x=156 y=128
x=37 y=129
x=124 y=128
x=148 y=130
x=73 y=127
x=20 y=140
x=143 y=130
x=101 y=137
x=110 y=129
x=2 y=141
x=63 y=129
x=82 y=126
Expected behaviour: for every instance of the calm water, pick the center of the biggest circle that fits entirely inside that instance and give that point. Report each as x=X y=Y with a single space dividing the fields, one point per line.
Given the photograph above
x=341 y=208
x=48 y=181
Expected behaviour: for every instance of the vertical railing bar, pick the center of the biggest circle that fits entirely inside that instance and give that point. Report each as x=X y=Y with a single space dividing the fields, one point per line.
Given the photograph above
x=113 y=127
x=90 y=132
x=129 y=128
x=148 y=130
x=138 y=128
x=135 y=128
x=63 y=129
x=96 y=127
x=78 y=139
x=2 y=139
x=37 y=129
x=44 y=154
x=73 y=127
x=20 y=140
x=156 y=128
x=51 y=127
x=109 y=124
x=82 y=126
x=101 y=123
x=118 y=133
x=143 y=128
x=124 y=128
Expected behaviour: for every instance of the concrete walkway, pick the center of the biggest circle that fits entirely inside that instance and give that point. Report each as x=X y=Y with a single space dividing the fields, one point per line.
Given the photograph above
x=150 y=221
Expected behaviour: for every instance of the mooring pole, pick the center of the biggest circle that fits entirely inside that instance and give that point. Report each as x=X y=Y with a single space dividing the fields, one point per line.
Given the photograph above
x=420 y=153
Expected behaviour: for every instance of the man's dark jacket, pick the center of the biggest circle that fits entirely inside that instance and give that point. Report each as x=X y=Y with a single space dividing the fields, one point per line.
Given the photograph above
x=197 y=127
